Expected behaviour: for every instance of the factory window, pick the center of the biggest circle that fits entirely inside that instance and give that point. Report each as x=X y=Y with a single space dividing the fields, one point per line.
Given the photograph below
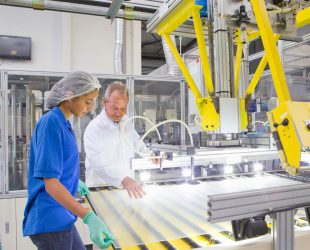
x=256 y=46
x=253 y=65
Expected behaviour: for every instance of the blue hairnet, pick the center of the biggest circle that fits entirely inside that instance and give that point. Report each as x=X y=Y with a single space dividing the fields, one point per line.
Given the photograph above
x=73 y=85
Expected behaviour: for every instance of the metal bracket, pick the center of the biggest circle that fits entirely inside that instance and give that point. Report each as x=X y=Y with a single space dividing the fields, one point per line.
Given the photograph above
x=114 y=8
x=38 y=4
x=249 y=228
x=307 y=211
x=128 y=12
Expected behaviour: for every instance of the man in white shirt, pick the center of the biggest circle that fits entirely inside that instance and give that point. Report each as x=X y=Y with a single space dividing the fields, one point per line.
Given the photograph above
x=108 y=151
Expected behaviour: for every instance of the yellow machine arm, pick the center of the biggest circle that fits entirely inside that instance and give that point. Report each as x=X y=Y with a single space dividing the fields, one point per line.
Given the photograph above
x=289 y=122
x=251 y=87
x=303 y=17
x=210 y=119
x=291 y=131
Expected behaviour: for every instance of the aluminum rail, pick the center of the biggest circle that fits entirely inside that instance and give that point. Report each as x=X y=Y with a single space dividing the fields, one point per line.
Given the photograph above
x=74 y=8
x=246 y=204
x=114 y=9
x=212 y=156
x=174 y=211
x=185 y=30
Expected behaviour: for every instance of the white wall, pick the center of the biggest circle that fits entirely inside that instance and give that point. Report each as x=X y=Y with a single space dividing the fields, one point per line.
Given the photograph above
x=132 y=47
x=67 y=42
x=45 y=30
x=93 y=41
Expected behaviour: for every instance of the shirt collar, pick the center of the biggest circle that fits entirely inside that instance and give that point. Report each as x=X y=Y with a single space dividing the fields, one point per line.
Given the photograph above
x=59 y=114
x=107 y=120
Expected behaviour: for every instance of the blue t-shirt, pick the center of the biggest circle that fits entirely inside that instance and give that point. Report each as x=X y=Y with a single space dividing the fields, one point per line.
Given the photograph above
x=53 y=154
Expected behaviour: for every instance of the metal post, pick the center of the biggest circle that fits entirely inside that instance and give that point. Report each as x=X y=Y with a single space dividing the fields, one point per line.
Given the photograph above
x=231 y=61
x=210 y=39
x=222 y=85
x=3 y=134
x=245 y=70
x=28 y=114
x=283 y=231
x=5 y=85
x=13 y=127
x=182 y=93
x=32 y=112
x=140 y=112
x=25 y=166
x=19 y=120
x=131 y=105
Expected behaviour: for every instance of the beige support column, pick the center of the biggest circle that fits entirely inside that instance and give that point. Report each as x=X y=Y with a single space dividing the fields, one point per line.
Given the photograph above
x=132 y=47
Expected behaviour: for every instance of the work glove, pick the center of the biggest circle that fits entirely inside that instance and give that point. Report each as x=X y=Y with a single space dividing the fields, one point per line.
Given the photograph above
x=82 y=189
x=99 y=233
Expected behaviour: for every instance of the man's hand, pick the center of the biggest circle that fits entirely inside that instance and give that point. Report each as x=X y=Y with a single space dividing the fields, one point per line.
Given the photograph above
x=133 y=188
x=156 y=161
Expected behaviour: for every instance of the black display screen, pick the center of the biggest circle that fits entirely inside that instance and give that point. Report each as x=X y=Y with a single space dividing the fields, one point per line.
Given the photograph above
x=15 y=47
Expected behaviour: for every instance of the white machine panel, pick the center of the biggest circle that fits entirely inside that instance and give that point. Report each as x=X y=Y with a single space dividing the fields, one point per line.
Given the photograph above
x=171 y=114
x=151 y=115
x=23 y=243
x=229 y=115
x=7 y=224
x=232 y=7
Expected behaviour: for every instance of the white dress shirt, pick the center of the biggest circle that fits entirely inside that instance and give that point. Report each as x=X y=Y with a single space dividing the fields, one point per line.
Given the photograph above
x=108 y=152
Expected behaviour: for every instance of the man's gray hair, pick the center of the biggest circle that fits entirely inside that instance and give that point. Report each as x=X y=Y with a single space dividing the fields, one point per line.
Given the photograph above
x=116 y=86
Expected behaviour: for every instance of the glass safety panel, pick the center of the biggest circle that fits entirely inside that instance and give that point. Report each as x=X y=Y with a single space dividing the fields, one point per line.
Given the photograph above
x=296 y=61
x=26 y=104
x=158 y=100
x=2 y=133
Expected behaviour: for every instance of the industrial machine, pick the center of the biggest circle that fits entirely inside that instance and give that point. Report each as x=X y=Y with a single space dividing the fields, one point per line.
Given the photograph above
x=242 y=174
x=174 y=215
x=23 y=103
x=248 y=21
x=248 y=205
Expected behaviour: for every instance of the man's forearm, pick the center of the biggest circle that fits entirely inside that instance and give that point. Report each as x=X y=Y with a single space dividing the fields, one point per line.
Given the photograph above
x=56 y=190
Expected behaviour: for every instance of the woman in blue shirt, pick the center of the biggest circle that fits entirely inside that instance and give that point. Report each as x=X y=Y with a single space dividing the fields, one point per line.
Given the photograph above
x=53 y=171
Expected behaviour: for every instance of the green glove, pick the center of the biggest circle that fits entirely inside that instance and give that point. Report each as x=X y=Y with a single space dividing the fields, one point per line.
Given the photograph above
x=82 y=189
x=97 y=228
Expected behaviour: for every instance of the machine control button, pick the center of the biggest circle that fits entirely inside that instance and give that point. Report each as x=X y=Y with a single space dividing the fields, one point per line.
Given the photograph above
x=285 y=122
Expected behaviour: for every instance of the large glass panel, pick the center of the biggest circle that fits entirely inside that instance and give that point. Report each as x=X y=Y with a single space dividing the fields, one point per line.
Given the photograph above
x=26 y=104
x=158 y=100
x=296 y=62
x=2 y=141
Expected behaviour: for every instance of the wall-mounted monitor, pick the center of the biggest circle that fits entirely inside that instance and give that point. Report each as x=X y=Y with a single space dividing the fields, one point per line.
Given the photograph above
x=15 y=47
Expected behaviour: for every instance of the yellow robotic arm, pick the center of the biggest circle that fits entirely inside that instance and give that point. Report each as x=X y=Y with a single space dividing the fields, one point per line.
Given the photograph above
x=289 y=121
x=209 y=116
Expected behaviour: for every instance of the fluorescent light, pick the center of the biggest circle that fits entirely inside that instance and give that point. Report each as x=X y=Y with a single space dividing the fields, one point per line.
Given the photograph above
x=258 y=167
x=233 y=159
x=186 y=172
x=228 y=169
x=145 y=176
x=305 y=158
